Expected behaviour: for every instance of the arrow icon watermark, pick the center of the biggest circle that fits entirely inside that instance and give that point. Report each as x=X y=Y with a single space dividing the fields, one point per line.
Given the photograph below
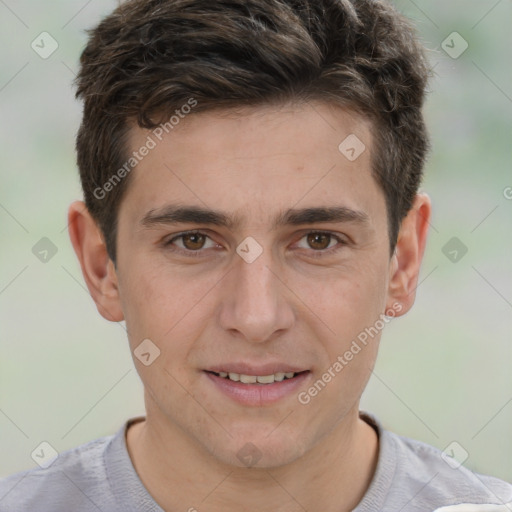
x=44 y=250
x=249 y=249
x=454 y=45
x=351 y=147
x=146 y=352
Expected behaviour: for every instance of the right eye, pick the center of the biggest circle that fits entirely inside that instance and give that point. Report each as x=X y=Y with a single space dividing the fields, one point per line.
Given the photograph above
x=192 y=243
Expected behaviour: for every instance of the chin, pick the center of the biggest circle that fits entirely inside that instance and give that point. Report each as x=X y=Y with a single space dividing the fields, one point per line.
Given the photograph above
x=259 y=451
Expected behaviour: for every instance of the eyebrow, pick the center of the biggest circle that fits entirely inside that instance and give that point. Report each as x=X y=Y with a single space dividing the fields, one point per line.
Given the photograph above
x=173 y=214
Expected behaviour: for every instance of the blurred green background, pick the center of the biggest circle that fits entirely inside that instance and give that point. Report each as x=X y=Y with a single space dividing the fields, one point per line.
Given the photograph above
x=444 y=370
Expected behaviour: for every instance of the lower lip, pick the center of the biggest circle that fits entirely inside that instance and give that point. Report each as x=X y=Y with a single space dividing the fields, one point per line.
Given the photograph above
x=258 y=394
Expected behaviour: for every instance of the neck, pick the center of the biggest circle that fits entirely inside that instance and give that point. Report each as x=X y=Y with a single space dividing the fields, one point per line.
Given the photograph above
x=332 y=476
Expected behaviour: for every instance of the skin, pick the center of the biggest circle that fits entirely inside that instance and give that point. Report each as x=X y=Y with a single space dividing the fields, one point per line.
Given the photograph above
x=286 y=305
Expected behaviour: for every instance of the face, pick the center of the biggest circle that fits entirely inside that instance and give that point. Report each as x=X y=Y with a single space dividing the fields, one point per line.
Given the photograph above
x=286 y=275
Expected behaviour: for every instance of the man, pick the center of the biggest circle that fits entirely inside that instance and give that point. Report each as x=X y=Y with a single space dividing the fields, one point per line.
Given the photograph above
x=251 y=172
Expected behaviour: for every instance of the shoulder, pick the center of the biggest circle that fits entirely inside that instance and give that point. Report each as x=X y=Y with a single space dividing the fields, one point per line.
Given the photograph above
x=75 y=480
x=415 y=476
x=436 y=479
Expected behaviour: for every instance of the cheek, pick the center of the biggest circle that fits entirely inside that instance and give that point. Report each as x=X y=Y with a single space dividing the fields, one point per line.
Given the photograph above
x=149 y=291
x=166 y=305
x=347 y=301
x=138 y=292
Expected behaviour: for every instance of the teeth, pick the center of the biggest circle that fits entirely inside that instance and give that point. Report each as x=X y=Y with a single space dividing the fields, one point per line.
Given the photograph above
x=248 y=379
x=266 y=379
x=253 y=379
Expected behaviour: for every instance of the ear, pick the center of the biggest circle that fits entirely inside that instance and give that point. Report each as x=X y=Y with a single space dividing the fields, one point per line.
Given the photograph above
x=406 y=260
x=97 y=268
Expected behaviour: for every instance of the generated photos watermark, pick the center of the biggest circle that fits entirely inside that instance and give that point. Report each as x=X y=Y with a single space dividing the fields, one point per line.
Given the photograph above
x=363 y=338
x=152 y=140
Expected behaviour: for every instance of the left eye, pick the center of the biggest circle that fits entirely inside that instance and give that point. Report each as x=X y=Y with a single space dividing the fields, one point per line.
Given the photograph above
x=321 y=241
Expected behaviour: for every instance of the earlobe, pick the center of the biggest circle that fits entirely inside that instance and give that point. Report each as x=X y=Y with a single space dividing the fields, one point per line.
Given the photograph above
x=406 y=260
x=97 y=268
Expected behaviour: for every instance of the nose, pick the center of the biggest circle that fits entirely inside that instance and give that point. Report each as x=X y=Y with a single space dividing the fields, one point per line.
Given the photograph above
x=255 y=300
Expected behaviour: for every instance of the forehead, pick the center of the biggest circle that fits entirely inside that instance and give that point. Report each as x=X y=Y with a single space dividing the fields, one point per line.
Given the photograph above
x=272 y=157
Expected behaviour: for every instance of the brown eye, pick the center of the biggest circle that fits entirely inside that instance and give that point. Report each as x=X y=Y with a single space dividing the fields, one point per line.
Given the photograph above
x=319 y=241
x=193 y=241
x=322 y=243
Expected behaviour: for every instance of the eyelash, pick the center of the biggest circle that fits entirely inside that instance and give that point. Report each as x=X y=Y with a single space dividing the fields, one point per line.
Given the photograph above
x=199 y=252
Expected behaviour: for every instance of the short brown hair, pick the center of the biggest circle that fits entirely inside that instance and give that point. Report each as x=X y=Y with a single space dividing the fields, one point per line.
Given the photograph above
x=149 y=57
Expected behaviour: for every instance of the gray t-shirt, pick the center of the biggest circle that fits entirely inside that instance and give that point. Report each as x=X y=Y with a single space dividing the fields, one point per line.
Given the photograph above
x=411 y=476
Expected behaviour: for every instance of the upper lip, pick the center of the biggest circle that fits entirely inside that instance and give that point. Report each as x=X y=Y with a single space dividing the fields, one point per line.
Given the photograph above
x=259 y=370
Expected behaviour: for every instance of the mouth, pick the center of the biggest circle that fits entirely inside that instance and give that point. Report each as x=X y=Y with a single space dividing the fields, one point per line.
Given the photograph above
x=257 y=379
x=258 y=390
